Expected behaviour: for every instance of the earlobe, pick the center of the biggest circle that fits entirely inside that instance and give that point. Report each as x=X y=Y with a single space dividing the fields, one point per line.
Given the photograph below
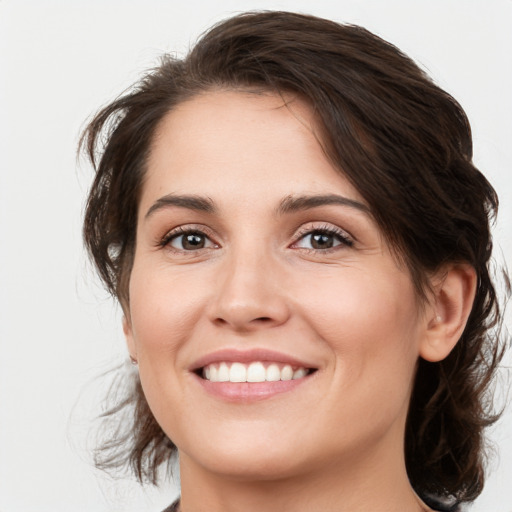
x=130 y=342
x=449 y=311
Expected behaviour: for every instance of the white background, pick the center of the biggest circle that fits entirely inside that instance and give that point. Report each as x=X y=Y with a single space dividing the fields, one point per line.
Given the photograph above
x=59 y=62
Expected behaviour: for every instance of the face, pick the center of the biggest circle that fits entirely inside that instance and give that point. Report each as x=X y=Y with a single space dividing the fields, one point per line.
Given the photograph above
x=274 y=330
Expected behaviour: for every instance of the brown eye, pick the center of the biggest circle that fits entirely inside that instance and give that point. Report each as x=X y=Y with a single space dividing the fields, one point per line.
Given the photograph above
x=323 y=239
x=190 y=241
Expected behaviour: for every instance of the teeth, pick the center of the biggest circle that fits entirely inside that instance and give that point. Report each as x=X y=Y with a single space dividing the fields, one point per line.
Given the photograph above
x=237 y=373
x=299 y=373
x=254 y=372
x=273 y=373
x=223 y=375
x=287 y=373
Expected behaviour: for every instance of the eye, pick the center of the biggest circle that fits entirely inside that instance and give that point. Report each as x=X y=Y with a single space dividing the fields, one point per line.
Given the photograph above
x=187 y=240
x=323 y=239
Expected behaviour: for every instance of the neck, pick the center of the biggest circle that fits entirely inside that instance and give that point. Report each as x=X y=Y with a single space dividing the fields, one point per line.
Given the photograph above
x=358 y=485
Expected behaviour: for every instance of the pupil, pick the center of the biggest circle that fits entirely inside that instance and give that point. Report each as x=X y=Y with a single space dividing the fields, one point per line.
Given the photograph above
x=321 y=241
x=193 y=241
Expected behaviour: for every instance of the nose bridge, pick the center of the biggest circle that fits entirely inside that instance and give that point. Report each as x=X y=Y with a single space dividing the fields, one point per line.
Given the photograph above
x=249 y=293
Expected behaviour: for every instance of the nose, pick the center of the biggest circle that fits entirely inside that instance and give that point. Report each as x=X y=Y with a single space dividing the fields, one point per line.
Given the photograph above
x=250 y=294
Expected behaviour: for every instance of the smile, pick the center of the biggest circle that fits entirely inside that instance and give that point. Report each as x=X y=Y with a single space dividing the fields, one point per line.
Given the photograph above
x=256 y=371
x=236 y=375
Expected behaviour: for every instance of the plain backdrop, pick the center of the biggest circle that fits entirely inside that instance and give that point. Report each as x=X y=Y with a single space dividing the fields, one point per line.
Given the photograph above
x=59 y=62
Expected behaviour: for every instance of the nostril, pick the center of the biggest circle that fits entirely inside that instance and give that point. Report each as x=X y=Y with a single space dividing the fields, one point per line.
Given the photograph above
x=247 y=324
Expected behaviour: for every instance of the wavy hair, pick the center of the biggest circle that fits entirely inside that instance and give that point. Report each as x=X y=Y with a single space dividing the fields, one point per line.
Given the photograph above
x=404 y=143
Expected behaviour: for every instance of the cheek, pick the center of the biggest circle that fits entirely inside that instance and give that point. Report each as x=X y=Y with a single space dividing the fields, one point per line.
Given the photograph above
x=163 y=314
x=355 y=304
x=163 y=309
x=371 y=325
x=374 y=336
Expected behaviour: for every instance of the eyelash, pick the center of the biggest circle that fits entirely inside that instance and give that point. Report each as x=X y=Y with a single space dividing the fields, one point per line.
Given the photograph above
x=181 y=231
x=328 y=230
x=342 y=236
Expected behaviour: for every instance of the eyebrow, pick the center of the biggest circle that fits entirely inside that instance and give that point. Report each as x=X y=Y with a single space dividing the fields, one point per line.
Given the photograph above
x=197 y=203
x=305 y=202
x=289 y=204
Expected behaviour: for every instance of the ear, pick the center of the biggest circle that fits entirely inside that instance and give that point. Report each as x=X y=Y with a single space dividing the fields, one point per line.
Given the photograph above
x=454 y=292
x=130 y=341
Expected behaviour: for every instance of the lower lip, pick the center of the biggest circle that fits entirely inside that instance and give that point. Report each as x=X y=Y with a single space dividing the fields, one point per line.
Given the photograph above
x=250 y=391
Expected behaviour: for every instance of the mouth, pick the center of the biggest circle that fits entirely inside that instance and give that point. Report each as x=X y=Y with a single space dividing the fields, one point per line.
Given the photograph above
x=254 y=372
x=236 y=375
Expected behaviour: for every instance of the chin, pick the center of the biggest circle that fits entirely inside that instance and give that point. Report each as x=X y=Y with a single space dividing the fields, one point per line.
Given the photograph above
x=252 y=467
x=253 y=460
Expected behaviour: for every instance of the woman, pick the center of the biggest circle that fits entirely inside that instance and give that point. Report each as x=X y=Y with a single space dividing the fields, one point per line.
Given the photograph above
x=299 y=241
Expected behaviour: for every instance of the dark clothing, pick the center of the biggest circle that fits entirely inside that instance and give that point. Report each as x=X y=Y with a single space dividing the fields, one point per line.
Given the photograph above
x=433 y=503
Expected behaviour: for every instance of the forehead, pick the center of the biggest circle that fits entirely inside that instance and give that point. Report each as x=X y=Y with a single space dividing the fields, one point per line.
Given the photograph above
x=235 y=144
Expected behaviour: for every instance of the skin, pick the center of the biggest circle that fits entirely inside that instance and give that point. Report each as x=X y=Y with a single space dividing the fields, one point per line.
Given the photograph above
x=334 y=442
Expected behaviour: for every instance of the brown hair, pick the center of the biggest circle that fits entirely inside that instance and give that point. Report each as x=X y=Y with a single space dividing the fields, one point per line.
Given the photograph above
x=403 y=142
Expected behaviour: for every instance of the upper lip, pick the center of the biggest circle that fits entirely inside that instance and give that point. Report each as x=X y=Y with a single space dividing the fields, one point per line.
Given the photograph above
x=248 y=356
